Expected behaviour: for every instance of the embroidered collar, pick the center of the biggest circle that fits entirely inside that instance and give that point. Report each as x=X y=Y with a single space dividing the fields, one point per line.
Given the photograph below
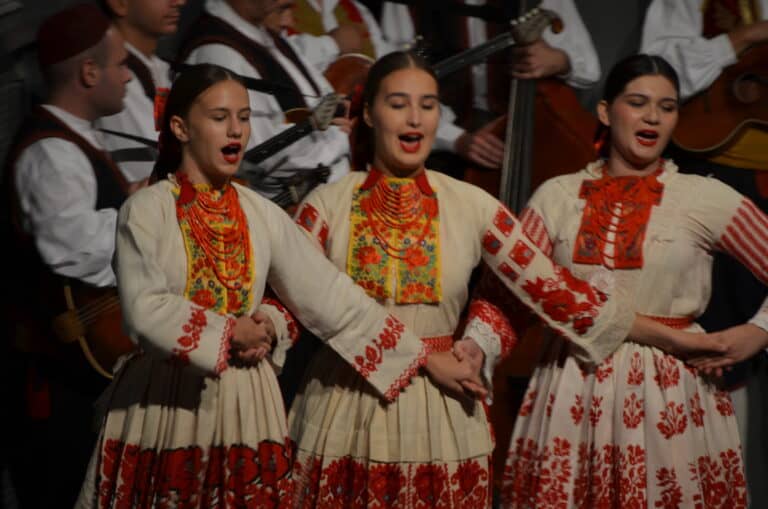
x=595 y=169
x=421 y=181
x=188 y=191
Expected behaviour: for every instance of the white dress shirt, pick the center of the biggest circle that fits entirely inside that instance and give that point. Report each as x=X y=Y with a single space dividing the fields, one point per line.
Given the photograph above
x=57 y=193
x=574 y=40
x=673 y=29
x=322 y=50
x=329 y=147
x=138 y=116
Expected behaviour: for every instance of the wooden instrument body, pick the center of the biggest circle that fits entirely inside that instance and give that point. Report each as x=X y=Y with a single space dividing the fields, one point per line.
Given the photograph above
x=738 y=98
x=562 y=137
x=92 y=318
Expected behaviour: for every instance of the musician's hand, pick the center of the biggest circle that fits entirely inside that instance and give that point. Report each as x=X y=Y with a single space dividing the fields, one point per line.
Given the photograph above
x=349 y=39
x=741 y=343
x=345 y=124
x=748 y=35
x=539 y=60
x=135 y=186
x=481 y=147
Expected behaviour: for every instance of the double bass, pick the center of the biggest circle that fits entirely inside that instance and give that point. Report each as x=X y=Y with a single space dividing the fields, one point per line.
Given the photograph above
x=546 y=131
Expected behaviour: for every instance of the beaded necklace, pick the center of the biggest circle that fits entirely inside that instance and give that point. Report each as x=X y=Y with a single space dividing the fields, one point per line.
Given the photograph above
x=218 y=245
x=395 y=233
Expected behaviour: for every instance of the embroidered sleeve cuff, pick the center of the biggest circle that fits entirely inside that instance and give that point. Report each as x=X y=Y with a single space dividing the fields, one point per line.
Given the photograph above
x=572 y=307
x=224 y=349
x=388 y=360
x=488 y=341
x=286 y=329
x=405 y=378
x=203 y=341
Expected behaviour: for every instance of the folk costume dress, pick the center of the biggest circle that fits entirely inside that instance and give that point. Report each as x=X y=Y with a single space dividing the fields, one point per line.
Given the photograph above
x=186 y=427
x=412 y=244
x=640 y=429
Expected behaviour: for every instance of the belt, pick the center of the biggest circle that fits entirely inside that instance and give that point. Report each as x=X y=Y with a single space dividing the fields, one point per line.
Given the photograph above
x=676 y=322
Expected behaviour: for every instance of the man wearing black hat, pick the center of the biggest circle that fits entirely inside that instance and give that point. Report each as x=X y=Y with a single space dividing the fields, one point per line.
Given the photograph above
x=64 y=192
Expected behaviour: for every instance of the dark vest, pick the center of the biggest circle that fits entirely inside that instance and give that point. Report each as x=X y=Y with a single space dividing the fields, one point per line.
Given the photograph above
x=143 y=75
x=35 y=286
x=212 y=30
x=111 y=185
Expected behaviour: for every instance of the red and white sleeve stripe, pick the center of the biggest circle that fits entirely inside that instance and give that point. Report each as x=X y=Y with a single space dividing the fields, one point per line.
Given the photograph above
x=536 y=230
x=746 y=239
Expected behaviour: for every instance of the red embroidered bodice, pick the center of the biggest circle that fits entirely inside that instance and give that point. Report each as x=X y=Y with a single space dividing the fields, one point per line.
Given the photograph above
x=615 y=219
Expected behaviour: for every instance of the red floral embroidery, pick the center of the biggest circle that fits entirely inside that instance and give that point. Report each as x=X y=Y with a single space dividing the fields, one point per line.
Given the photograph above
x=521 y=254
x=697 y=413
x=290 y=321
x=351 y=483
x=555 y=474
x=205 y=298
x=471 y=487
x=343 y=484
x=595 y=412
x=527 y=406
x=503 y=221
x=374 y=354
x=521 y=474
x=724 y=404
x=431 y=486
x=604 y=370
x=722 y=483
x=191 y=338
x=636 y=375
x=236 y=476
x=621 y=205
x=386 y=485
x=671 y=493
x=617 y=478
x=550 y=404
x=632 y=468
x=633 y=411
x=577 y=410
x=307 y=475
x=673 y=420
x=667 y=370
x=581 y=482
x=491 y=243
x=537 y=479
x=415 y=258
x=558 y=300
x=508 y=271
